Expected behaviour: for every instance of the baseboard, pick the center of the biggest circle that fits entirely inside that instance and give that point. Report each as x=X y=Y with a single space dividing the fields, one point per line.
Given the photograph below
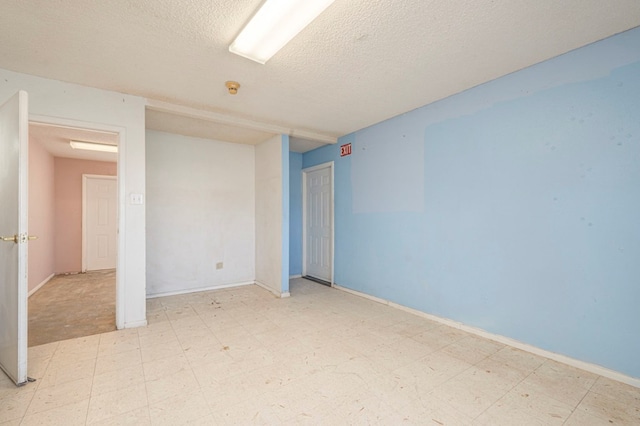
x=36 y=288
x=141 y=323
x=592 y=368
x=292 y=277
x=275 y=292
x=196 y=290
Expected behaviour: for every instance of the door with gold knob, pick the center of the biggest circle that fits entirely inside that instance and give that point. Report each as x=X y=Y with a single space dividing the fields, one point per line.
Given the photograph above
x=14 y=125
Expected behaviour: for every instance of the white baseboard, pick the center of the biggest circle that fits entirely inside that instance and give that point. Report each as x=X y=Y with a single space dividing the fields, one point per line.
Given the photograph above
x=134 y=324
x=592 y=368
x=196 y=290
x=292 y=277
x=274 y=291
x=36 y=288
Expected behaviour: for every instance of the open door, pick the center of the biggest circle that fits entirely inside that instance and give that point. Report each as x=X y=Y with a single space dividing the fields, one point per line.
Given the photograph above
x=14 y=127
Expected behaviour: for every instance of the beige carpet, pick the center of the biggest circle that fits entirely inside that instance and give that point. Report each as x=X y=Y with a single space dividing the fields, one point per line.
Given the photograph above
x=72 y=306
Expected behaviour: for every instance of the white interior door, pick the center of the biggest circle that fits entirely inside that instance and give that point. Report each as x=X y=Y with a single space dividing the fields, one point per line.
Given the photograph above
x=318 y=224
x=14 y=143
x=100 y=221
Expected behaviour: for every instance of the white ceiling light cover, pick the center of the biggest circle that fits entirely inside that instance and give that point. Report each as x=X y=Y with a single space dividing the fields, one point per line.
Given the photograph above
x=93 y=146
x=274 y=25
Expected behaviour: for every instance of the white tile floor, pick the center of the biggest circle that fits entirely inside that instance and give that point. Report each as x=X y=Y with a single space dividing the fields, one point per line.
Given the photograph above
x=323 y=356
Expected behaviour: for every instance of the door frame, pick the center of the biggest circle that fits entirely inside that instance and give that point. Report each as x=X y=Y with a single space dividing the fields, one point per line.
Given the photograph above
x=121 y=167
x=305 y=172
x=15 y=309
x=85 y=244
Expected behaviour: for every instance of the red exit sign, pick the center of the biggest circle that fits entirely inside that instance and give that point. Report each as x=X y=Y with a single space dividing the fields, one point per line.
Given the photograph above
x=345 y=150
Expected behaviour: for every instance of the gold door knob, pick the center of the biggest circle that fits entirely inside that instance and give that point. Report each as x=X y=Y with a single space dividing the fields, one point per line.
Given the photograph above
x=17 y=238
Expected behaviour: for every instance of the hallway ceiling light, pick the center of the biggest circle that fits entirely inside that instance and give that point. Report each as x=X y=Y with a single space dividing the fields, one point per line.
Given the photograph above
x=93 y=146
x=274 y=25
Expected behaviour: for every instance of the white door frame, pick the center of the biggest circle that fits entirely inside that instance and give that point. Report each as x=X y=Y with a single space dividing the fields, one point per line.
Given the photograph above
x=85 y=245
x=121 y=236
x=13 y=330
x=305 y=172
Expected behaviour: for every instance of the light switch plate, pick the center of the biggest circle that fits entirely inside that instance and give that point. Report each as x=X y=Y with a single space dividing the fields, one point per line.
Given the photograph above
x=137 y=199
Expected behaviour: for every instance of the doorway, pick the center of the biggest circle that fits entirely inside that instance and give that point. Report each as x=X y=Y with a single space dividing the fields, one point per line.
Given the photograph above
x=67 y=298
x=317 y=227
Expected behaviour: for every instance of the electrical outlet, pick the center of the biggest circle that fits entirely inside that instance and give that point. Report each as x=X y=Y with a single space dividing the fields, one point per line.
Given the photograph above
x=219 y=265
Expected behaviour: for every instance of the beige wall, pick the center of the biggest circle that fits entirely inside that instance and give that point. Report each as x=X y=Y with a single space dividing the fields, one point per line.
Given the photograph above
x=41 y=215
x=68 y=209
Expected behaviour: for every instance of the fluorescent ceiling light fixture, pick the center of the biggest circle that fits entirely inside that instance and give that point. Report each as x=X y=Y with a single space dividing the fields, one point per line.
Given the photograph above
x=274 y=25
x=93 y=146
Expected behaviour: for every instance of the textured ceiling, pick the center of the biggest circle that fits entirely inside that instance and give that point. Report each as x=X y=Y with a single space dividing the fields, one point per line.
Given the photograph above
x=55 y=140
x=360 y=62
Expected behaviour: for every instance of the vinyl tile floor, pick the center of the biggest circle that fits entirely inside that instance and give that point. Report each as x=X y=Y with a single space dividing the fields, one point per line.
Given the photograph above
x=73 y=305
x=321 y=357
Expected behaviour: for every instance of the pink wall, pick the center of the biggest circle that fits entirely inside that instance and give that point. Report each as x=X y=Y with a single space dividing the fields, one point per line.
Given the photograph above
x=68 y=209
x=41 y=214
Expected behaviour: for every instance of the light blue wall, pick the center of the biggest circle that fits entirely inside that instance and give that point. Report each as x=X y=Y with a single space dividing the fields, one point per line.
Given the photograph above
x=513 y=207
x=285 y=213
x=295 y=213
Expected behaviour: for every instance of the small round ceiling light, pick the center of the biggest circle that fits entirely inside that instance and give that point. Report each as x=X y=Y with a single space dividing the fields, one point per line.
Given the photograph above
x=232 y=86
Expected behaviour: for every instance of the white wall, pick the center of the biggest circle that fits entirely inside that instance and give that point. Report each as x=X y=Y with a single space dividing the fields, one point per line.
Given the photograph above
x=200 y=211
x=78 y=105
x=269 y=216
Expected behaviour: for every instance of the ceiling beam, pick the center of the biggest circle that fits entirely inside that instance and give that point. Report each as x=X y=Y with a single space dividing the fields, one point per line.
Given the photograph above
x=232 y=120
